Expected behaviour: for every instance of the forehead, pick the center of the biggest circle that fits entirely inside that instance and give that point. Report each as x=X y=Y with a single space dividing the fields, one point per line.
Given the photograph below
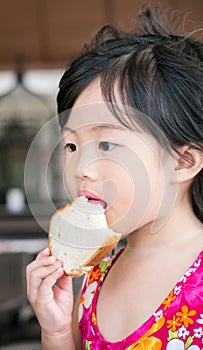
x=91 y=94
x=90 y=108
x=95 y=115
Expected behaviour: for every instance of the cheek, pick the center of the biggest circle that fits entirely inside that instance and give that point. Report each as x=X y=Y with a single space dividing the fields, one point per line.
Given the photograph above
x=132 y=193
x=138 y=192
x=69 y=180
x=117 y=187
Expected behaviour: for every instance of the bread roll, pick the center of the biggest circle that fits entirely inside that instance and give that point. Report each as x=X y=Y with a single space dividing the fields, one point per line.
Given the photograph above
x=79 y=236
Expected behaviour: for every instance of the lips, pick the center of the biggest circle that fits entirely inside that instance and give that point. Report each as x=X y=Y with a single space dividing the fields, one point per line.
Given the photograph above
x=92 y=198
x=97 y=201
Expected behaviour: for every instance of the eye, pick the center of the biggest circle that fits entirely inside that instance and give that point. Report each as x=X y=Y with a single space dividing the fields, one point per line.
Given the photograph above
x=106 y=146
x=70 y=147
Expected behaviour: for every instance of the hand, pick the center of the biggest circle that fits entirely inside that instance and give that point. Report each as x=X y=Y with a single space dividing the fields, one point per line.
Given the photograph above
x=52 y=304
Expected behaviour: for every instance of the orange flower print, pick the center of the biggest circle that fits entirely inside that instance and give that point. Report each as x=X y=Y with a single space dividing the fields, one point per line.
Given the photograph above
x=148 y=341
x=95 y=275
x=174 y=323
x=185 y=316
x=94 y=321
x=168 y=300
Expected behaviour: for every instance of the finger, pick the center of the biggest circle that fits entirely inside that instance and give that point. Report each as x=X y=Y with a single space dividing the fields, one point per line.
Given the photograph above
x=41 y=272
x=45 y=294
x=37 y=264
x=36 y=277
x=65 y=297
x=43 y=258
x=45 y=252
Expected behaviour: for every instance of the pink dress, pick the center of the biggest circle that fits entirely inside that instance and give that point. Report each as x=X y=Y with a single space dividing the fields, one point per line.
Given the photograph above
x=177 y=324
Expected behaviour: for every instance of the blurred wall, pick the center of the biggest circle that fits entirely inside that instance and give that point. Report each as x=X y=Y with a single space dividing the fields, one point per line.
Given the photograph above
x=46 y=33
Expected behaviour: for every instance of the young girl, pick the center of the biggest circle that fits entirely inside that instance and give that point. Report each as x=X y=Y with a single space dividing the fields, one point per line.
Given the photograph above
x=131 y=112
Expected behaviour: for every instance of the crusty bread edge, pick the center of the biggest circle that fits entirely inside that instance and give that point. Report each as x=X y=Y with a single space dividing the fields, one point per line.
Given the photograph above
x=101 y=253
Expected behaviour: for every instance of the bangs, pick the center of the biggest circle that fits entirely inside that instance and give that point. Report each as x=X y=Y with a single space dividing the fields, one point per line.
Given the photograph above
x=129 y=88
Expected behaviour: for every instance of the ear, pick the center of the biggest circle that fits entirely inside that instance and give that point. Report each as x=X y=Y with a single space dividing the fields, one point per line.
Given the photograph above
x=189 y=163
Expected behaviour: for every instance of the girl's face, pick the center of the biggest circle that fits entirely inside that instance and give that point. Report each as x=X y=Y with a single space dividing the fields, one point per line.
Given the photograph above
x=125 y=171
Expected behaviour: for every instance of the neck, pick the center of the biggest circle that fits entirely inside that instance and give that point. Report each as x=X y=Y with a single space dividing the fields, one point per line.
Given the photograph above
x=181 y=227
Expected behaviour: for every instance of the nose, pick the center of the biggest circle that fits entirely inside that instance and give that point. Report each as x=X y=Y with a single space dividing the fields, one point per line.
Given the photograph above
x=87 y=166
x=87 y=172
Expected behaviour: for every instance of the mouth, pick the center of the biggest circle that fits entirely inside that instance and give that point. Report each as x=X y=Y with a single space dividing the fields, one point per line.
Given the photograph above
x=93 y=199
x=97 y=201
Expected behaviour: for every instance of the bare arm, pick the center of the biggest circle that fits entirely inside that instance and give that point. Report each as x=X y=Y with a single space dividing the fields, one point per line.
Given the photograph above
x=57 y=341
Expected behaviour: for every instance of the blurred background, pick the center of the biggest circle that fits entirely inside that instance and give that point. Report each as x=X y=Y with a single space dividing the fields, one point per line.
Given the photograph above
x=38 y=38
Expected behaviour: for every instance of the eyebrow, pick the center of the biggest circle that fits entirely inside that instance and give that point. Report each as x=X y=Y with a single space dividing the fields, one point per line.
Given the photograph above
x=97 y=127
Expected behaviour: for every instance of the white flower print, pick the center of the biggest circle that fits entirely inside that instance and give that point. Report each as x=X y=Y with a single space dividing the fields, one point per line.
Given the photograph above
x=198 y=332
x=200 y=320
x=107 y=259
x=177 y=290
x=87 y=299
x=183 y=333
x=80 y=312
x=89 y=293
x=92 y=330
x=190 y=271
x=158 y=315
x=177 y=344
x=197 y=264
x=183 y=279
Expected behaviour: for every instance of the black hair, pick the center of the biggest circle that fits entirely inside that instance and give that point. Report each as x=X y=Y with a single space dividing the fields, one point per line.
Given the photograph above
x=156 y=72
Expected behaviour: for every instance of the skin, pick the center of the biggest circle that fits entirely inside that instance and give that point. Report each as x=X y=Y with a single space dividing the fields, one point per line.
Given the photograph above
x=171 y=245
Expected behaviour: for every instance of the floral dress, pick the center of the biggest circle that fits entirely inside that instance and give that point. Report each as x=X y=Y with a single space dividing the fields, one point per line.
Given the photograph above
x=176 y=325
